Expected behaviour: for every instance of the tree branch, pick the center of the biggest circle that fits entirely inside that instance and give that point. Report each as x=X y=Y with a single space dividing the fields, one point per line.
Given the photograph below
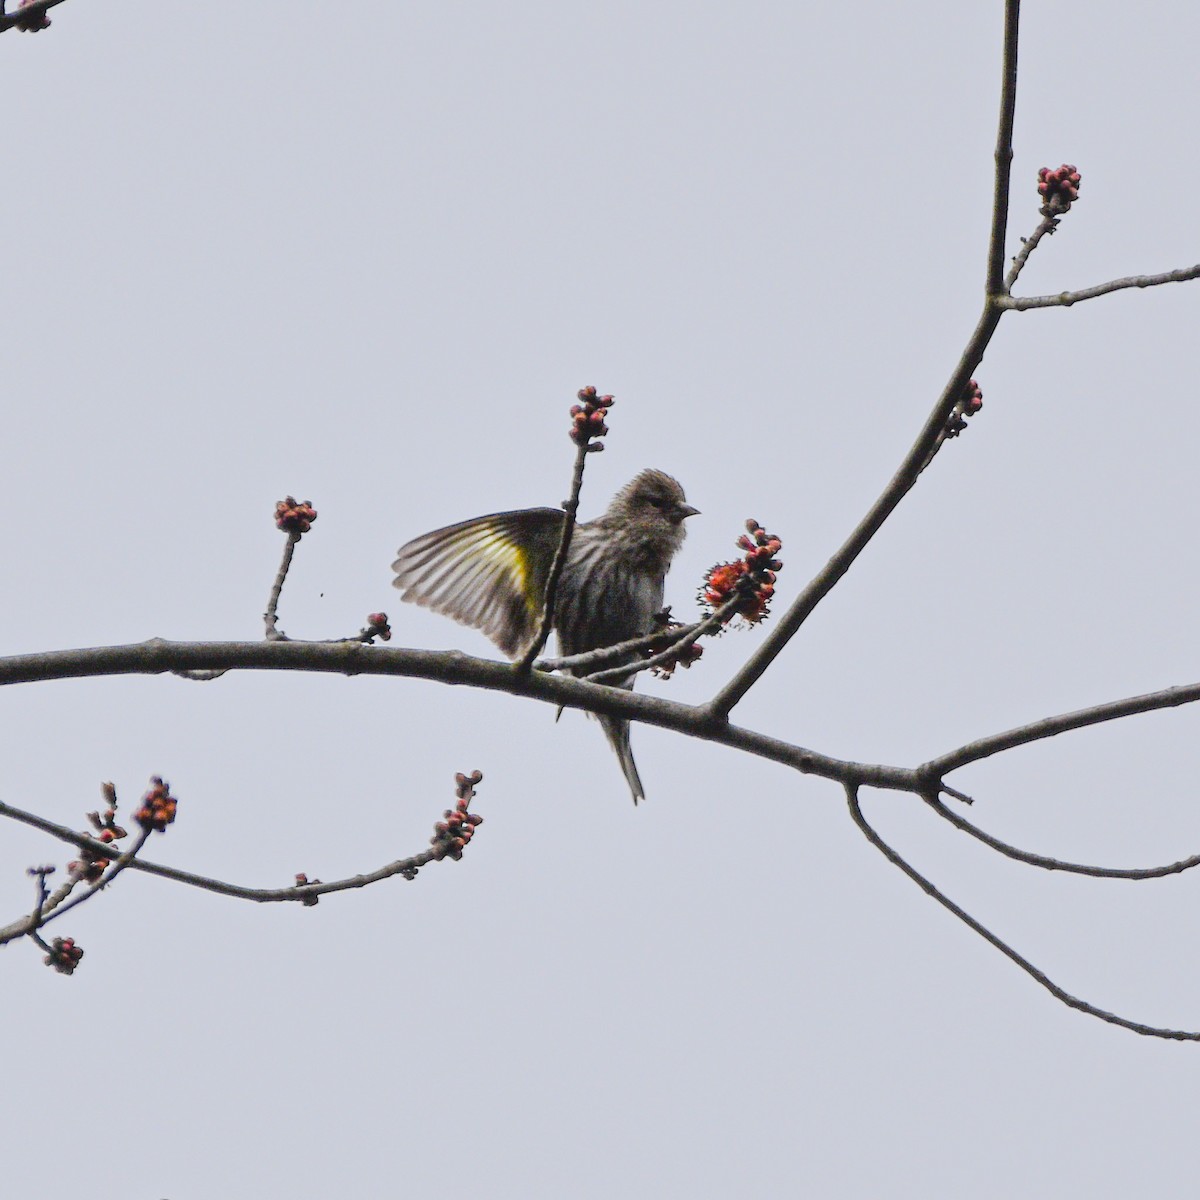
x=903 y=480
x=896 y=860
x=1028 y=246
x=306 y=893
x=1049 y=727
x=1004 y=152
x=446 y=666
x=1066 y=299
x=1053 y=864
x=51 y=909
x=682 y=636
x=271 y=616
x=928 y=439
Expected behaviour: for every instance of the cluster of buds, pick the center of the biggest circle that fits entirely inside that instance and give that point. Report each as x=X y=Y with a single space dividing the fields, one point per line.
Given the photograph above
x=587 y=418
x=91 y=864
x=684 y=655
x=295 y=517
x=1059 y=189
x=158 y=806
x=303 y=880
x=969 y=404
x=64 y=955
x=33 y=22
x=451 y=835
x=377 y=627
x=752 y=577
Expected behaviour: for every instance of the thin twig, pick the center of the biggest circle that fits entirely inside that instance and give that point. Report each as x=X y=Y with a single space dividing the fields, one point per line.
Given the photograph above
x=570 y=507
x=271 y=616
x=50 y=908
x=303 y=892
x=1178 y=1035
x=1049 y=727
x=1054 y=864
x=603 y=655
x=118 y=865
x=684 y=636
x=1066 y=299
x=1028 y=246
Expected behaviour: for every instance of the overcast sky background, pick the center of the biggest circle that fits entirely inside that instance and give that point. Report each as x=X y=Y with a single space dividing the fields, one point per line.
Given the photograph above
x=366 y=254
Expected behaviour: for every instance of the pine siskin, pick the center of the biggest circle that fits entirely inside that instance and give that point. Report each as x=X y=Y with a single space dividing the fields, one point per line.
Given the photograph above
x=491 y=573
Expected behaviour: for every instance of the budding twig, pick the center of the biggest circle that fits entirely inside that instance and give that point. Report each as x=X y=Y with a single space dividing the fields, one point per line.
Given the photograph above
x=295 y=518
x=449 y=839
x=587 y=423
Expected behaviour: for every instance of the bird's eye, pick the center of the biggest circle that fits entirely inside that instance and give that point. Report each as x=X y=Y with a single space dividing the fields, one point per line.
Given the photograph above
x=657 y=501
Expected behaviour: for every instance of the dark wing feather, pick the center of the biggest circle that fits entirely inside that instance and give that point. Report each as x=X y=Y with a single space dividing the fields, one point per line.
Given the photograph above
x=489 y=573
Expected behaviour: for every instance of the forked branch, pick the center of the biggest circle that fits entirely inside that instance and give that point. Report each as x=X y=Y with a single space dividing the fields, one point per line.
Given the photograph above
x=868 y=831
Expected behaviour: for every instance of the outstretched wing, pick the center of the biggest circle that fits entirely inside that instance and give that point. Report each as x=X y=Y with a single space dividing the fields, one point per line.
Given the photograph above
x=489 y=573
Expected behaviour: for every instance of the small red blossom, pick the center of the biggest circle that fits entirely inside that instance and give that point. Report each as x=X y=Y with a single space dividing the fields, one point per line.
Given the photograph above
x=587 y=418
x=294 y=516
x=1059 y=189
x=458 y=825
x=377 y=626
x=64 y=956
x=751 y=577
x=158 y=806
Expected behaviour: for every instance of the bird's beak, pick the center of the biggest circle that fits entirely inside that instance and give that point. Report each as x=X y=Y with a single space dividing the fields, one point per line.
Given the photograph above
x=686 y=510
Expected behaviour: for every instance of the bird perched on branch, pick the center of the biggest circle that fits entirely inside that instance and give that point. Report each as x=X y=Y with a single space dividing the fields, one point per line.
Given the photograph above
x=491 y=573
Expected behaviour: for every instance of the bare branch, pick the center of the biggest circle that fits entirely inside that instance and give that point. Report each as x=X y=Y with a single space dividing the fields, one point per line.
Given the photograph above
x=1066 y=299
x=931 y=433
x=445 y=666
x=1054 y=864
x=1004 y=151
x=868 y=831
x=903 y=480
x=1049 y=727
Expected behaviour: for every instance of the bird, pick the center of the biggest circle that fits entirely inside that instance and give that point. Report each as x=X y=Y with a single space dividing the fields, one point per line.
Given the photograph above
x=491 y=572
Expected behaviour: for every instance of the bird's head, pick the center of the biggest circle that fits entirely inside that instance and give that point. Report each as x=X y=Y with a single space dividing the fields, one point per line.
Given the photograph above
x=651 y=496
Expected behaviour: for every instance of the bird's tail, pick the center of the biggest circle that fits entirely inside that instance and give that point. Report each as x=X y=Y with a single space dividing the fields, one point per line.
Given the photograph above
x=617 y=732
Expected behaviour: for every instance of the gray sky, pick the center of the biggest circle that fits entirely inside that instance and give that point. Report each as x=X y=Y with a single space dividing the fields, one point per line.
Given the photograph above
x=366 y=254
